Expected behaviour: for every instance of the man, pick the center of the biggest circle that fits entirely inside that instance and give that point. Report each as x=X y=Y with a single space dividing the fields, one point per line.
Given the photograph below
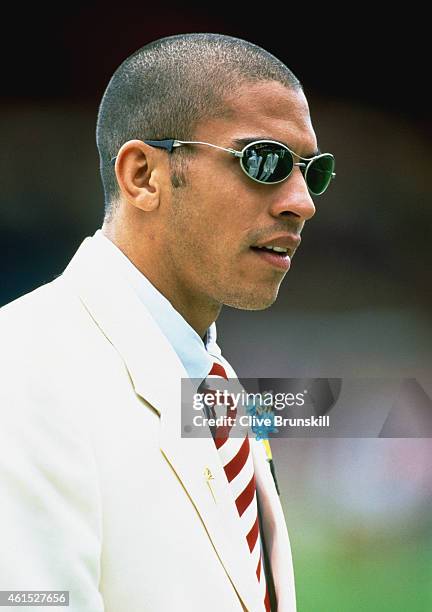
x=100 y=494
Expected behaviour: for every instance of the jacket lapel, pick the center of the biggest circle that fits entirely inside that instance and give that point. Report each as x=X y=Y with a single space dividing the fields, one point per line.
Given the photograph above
x=156 y=373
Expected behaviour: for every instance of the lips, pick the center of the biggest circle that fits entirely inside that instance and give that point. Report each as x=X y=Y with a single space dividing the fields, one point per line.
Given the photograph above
x=279 y=260
x=277 y=251
x=279 y=244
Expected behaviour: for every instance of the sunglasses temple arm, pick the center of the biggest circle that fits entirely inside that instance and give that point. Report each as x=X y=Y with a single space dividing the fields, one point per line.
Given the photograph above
x=179 y=143
x=169 y=145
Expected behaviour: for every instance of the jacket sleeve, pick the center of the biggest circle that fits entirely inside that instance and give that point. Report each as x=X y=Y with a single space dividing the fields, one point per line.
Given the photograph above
x=50 y=519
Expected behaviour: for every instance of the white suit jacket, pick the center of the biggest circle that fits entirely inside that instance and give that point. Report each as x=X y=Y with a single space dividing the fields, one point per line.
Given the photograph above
x=99 y=494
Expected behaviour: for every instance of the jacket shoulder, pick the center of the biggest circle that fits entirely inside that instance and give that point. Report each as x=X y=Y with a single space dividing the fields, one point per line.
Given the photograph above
x=40 y=318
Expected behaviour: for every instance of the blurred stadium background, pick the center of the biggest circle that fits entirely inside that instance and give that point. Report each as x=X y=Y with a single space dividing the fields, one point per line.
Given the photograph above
x=357 y=301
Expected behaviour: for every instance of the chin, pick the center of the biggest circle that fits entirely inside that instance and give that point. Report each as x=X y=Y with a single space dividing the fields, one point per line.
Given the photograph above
x=251 y=301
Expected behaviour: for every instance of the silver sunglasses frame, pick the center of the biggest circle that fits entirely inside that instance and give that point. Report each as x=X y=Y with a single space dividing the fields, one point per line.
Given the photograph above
x=240 y=154
x=170 y=143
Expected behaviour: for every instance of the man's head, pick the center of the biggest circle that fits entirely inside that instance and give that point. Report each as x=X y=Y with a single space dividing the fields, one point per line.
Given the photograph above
x=190 y=219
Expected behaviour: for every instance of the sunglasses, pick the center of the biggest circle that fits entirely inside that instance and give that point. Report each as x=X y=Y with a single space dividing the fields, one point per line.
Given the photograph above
x=269 y=162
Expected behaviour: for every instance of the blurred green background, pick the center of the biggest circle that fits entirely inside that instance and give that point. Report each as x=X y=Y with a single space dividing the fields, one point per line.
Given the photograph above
x=358 y=513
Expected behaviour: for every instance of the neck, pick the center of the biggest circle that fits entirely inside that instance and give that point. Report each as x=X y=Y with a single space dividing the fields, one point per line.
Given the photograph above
x=198 y=311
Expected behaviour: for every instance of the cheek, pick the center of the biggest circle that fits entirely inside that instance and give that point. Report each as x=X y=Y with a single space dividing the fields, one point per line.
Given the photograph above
x=213 y=217
x=212 y=214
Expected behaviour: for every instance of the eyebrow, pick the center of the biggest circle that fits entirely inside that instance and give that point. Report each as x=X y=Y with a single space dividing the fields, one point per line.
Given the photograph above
x=243 y=142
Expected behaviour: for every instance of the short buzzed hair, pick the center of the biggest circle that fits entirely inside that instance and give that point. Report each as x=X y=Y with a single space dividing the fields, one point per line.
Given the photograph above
x=165 y=88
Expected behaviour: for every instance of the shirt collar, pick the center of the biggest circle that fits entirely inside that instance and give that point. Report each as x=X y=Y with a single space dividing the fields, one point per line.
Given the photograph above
x=196 y=355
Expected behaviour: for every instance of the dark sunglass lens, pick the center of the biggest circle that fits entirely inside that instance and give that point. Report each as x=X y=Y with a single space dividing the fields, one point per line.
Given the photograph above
x=267 y=162
x=319 y=174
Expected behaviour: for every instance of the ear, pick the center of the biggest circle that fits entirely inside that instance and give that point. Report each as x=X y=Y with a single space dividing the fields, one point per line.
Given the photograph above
x=140 y=171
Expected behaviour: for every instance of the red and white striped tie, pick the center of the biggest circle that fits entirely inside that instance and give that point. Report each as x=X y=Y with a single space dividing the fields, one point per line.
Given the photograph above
x=238 y=465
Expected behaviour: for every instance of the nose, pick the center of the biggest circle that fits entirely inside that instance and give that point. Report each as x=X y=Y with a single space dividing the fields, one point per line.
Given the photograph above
x=293 y=198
